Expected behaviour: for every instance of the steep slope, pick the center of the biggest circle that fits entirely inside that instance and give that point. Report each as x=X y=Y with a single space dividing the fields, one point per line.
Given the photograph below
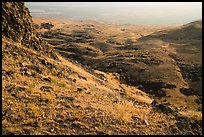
x=43 y=93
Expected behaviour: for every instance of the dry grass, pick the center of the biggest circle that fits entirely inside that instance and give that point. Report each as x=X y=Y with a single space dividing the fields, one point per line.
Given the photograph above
x=98 y=102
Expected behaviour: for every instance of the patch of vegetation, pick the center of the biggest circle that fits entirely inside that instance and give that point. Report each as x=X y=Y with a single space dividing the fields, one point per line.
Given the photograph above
x=58 y=82
x=121 y=115
x=33 y=109
x=48 y=96
x=198 y=100
x=30 y=87
x=200 y=109
x=62 y=84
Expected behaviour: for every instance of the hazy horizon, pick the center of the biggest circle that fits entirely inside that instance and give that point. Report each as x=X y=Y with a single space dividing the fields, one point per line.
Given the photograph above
x=165 y=13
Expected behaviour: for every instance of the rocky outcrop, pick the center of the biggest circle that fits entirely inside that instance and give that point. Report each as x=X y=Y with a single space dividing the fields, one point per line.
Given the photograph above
x=17 y=25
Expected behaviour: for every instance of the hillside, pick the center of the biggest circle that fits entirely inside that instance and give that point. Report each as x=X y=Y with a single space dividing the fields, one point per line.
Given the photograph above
x=47 y=90
x=186 y=41
x=135 y=53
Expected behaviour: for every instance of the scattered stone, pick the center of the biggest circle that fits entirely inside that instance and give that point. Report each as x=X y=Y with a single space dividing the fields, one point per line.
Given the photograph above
x=65 y=98
x=154 y=103
x=80 y=76
x=47 y=79
x=88 y=92
x=14 y=88
x=46 y=88
x=20 y=89
x=99 y=132
x=23 y=64
x=146 y=122
x=36 y=68
x=43 y=62
x=48 y=64
x=137 y=121
x=8 y=73
x=111 y=41
x=102 y=77
x=28 y=73
x=173 y=129
x=10 y=87
x=134 y=117
x=36 y=26
x=62 y=74
x=140 y=87
x=52 y=130
x=122 y=93
x=164 y=108
x=188 y=124
x=15 y=53
x=74 y=80
x=79 y=89
x=23 y=71
x=79 y=124
x=116 y=101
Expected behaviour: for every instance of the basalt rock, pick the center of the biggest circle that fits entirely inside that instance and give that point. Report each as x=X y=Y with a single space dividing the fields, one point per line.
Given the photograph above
x=46 y=88
x=14 y=89
x=47 y=25
x=161 y=108
x=189 y=126
x=18 y=26
x=190 y=91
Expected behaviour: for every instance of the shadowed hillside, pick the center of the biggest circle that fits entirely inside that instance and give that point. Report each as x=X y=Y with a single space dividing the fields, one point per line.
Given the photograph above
x=187 y=43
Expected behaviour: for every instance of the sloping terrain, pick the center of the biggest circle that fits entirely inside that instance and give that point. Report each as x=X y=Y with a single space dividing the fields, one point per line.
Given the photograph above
x=151 y=58
x=187 y=42
x=45 y=93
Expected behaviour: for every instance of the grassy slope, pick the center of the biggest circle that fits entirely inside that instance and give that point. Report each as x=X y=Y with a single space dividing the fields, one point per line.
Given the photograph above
x=132 y=48
x=43 y=94
x=33 y=111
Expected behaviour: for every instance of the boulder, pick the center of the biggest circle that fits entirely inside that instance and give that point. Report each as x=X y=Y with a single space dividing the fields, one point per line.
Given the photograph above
x=161 y=108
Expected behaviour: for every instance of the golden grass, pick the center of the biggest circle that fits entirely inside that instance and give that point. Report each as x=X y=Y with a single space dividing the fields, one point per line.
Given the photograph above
x=102 y=96
x=48 y=96
x=33 y=109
